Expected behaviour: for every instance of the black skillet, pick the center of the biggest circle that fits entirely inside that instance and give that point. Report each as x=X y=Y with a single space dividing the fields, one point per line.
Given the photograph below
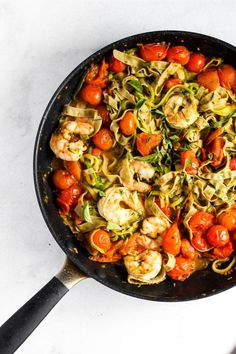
x=78 y=266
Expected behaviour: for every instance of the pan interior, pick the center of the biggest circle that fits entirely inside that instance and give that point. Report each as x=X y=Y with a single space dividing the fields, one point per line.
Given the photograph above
x=200 y=284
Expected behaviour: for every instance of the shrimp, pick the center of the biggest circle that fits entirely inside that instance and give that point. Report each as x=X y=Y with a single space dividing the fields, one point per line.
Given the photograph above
x=144 y=266
x=137 y=243
x=144 y=170
x=66 y=144
x=119 y=206
x=181 y=111
x=154 y=225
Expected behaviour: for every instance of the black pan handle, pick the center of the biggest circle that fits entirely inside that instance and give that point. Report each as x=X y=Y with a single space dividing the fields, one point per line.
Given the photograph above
x=20 y=325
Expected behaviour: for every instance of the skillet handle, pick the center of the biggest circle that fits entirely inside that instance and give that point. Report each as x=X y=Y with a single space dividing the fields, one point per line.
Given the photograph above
x=20 y=325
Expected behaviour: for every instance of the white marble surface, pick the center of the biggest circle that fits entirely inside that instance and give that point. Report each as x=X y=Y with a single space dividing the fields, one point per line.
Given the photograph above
x=40 y=43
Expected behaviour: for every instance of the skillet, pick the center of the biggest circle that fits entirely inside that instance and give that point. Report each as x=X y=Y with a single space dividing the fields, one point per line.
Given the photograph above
x=78 y=266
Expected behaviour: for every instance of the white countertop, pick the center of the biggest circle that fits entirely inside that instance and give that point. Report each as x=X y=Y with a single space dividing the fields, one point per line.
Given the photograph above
x=40 y=43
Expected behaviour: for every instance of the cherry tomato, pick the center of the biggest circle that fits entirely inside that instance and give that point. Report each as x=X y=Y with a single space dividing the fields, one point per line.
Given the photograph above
x=228 y=219
x=196 y=62
x=217 y=236
x=200 y=222
x=147 y=142
x=172 y=82
x=187 y=249
x=96 y=152
x=232 y=164
x=91 y=74
x=116 y=65
x=183 y=269
x=164 y=207
x=213 y=135
x=103 y=139
x=68 y=198
x=200 y=243
x=62 y=179
x=178 y=54
x=74 y=168
x=224 y=251
x=209 y=79
x=91 y=94
x=153 y=51
x=227 y=76
x=216 y=149
x=97 y=75
x=128 y=124
x=103 y=112
x=100 y=240
x=171 y=242
x=189 y=162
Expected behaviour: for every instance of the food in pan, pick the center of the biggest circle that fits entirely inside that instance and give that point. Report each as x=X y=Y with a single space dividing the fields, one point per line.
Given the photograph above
x=145 y=162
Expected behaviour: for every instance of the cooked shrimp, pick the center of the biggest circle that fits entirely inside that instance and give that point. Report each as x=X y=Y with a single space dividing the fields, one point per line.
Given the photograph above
x=144 y=266
x=144 y=170
x=119 y=206
x=154 y=225
x=137 y=243
x=181 y=111
x=66 y=144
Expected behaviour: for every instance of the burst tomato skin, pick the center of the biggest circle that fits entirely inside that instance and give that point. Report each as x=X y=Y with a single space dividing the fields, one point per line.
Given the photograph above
x=178 y=54
x=190 y=162
x=232 y=164
x=196 y=62
x=200 y=222
x=68 y=198
x=209 y=79
x=153 y=51
x=224 y=251
x=183 y=269
x=172 y=240
x=216 y=149
x=217 y=236
x=172 y=82
x=103 y=112
x=147 y=142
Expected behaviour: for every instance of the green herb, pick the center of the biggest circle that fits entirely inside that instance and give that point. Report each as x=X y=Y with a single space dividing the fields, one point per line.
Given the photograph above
x=108 y=107
x=210 y=156
x=136 y=85
x=140 y=103
x=86 y=212
x=101 y=193
x=188 y=163
x=112 y=226
x=80 y=84
x=157 y=111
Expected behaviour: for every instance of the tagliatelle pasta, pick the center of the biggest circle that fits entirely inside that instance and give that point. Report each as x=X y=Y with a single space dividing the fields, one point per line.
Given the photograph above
x=147 y=155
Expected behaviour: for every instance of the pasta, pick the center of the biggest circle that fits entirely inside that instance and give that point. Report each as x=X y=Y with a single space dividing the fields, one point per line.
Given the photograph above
x=147 y=155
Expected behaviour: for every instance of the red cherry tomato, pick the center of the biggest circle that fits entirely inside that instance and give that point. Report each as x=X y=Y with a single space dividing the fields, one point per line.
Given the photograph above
x=153 y=51
x=91 y=94
x=200 y=243
x=68 y=198
x=217 y=236
x=128 y=124
x=96 y=152
x=172 y=82
x=216 y=149
x=187 y=250
x=227 y=75
x=200 y=222
x=171 y=242
x=103 y=139
x=74 y=168
x=178 y=54
x=228 y=219
x=147 y=142
x=116 y=65
x=189 y=162
x=224 y=251
x=100 y=240
x=196 y=62
x=62 y=179
x=232 y=164
x=103 y=112
x=209 y=79
x=183 y=269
